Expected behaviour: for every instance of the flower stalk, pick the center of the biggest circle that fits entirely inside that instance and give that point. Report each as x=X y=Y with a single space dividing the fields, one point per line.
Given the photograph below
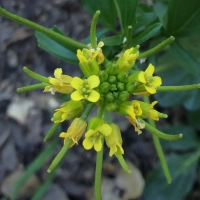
x=178 y=88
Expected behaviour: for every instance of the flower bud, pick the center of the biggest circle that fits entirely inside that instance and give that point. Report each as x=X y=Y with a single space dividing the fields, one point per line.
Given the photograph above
x=120 y=86
x=130 y=87
x=112 y=79
x=103 y=76
x=104 y=87
x=113 y=87
x=122 y=77
x=109 y=97
x=69 y=110
x=115 y=95
x=112 y=70
x=123 y=96
x=111 y=107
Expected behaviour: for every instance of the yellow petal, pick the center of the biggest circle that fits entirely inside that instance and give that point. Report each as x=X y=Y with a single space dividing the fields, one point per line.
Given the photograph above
x=90 y=133
x=98 y=144
x=93 y=96
x=76 y=96
x=150 y=90
x=87 y=144
x=157 y=81
x=105 y=129
x=66 y=78
x=55 y=82
x=57 y=73
x=141 y=77
x=63 y=135
x=77 y=82
x=150 y=70
x=93 y=81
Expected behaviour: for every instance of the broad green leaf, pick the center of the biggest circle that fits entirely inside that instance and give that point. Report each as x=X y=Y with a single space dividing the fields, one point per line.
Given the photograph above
x=185 y=58
x=113 y=40
x=108 y=12
x=183 y=17
x=128 y=10
x=145 y=19
x=172 y=73
x=54 y=48
x=183 y=171
x=188 y=142
x=147 y=34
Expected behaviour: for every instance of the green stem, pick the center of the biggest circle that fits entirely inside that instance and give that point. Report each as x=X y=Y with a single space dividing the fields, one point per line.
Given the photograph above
x=100 y=112
x=60 y=155
x=161 y=134
x=31 y=87
x=178 y=88
x=87 y=111
x=123 y=162
x=107 y=117
x=72 y=44
x=159 y=149
x=119 y=16
x=98 y=173
x=157 y=48
x=129 y=37
x=35 y=75
x=51 y=131
x=93 y=30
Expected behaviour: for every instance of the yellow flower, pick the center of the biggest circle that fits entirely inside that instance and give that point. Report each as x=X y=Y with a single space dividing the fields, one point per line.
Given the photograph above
x=100 y=56
x=75 y=131
x=114 y=140
x=135 y=121
x=127 y=109
x=68 y=110
x=88 y=62
x=97 y=130
x=84 y=88
x=61 y=83
x=127 y=60
x=148 y=111
x=149 y=82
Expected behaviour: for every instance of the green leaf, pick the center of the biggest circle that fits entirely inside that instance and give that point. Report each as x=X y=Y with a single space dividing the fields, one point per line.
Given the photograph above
x=145 y=19
x=113 y=40
x=55 y=48
x=172 y=73
x=108 y=12
x=183 y=17
x=183 y=170
x=185 y=58
x=188 y=141
x=128 y=10
x=147 y=34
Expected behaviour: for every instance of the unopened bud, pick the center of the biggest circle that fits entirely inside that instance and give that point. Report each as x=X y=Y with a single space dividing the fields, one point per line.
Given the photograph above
x=112 y=79
x=109 y=97
x=113 y=87
x=104 y=87
x=123 y=96
x=120 y=86
x=130 y=87
x=113 y=70
x=111 y=107
x=103 y=76
x=115 y=94
x=122 y=77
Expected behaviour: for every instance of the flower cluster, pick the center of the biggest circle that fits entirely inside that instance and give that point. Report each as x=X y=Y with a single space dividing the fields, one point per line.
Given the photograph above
x=111 y=87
